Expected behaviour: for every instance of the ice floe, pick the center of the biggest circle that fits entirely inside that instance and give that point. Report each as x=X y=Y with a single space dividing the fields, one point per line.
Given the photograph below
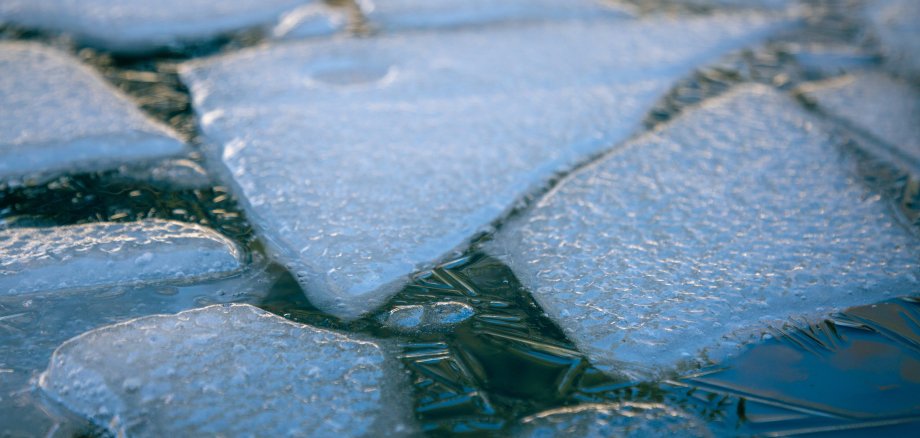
x=885 y=107
x=896 y=24
x=229 y=370
x=688 y=241
x=626 y=419
x=132 y=26
x=109 y=254
x=359 y=161
x=416 y=14
x=62 y=117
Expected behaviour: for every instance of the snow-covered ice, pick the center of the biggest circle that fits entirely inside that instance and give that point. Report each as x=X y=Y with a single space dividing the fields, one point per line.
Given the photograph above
x=141 y=26
x=111 y=254
x=61 y=116
x=229 y=369
x=885 y=107
x=626 y=419
x=419 y=14
x=359 y=161
x=896 y=24
x=688 y=241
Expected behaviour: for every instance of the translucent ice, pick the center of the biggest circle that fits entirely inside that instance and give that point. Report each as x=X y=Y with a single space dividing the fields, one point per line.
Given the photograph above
x=401 y=14
x=431 y=317
x=61 y=116
x=687 y=241
x=627 y=419
x=886 y=108
x=105 y=254
x=360 y=160
x=228 y=369
x=896 y=24
x=133 y=26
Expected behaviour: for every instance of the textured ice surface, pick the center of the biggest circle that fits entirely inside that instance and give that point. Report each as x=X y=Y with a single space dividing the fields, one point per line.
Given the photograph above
x=896 y=23
x=687 y=241
x=228 y=370
x=628 y=419
x=429 y=317
x=132 y=26
x=106 y=254
x=885 y=107
x=61 y=116
x=402 y=14
x=170 y=174
x=360 y=160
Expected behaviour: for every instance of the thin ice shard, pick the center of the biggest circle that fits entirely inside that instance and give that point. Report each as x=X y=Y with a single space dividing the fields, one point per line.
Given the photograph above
x=143 y=26
x=62 y=117
x=686 y=242
x=361 y=160
x=885 y=107
x=112 y=254
x=228 y=370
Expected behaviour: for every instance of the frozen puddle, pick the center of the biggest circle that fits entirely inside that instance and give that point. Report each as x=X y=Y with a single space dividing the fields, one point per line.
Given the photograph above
x=895 y=25
x=132 y=26
x=228 y=370
x=63 y=117
x=361 y=160
x=402 y=14
x=883 y=106
x=626 y=419
x=111 y=254
x=690 y=240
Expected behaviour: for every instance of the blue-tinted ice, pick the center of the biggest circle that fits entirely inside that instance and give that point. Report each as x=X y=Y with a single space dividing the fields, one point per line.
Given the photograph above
x=229 y=370
x=690 y=240
x=60 y=116
x=360 y=161
x=895 y=24
x=625 y=419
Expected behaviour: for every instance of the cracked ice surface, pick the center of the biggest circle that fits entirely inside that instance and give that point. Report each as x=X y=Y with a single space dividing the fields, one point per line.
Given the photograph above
x=400 y=14
x=361 y=160
x=61 y=116
x=689 y=240
x=228 y=370
x=627 y=419
x=111 y=254
x=896 y=23
x=886 y=107
x=141 y=26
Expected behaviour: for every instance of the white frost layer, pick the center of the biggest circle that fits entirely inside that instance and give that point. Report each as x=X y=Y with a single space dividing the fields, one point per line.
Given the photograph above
x=228 y=370
x=61 y=116
x=627 y=419
x=896 y=23
x=885 y=107
x=139 y=26
x=409 y=14
x=111 y=254
x=361 y=160
x=688 y=241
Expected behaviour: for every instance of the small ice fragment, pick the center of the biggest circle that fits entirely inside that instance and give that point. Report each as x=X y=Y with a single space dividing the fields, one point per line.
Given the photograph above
x=112 y=254
x=130 y=26
x=62 y=117
x=427 y=317
x=690 y=239
x=885 y=107
x=626 y=419
x=229 y=370
x=361 y=160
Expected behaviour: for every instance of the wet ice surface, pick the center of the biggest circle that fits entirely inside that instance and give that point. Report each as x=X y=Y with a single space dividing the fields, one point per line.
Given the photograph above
x=438 y=316
x=690 y=240
x=885 y=107
x=894 y=23
x=438 y=134
x=131 y=26
x=112 y=254
x=416 y=14
x=228 y=369
x=608 y=420
x=61 y=116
